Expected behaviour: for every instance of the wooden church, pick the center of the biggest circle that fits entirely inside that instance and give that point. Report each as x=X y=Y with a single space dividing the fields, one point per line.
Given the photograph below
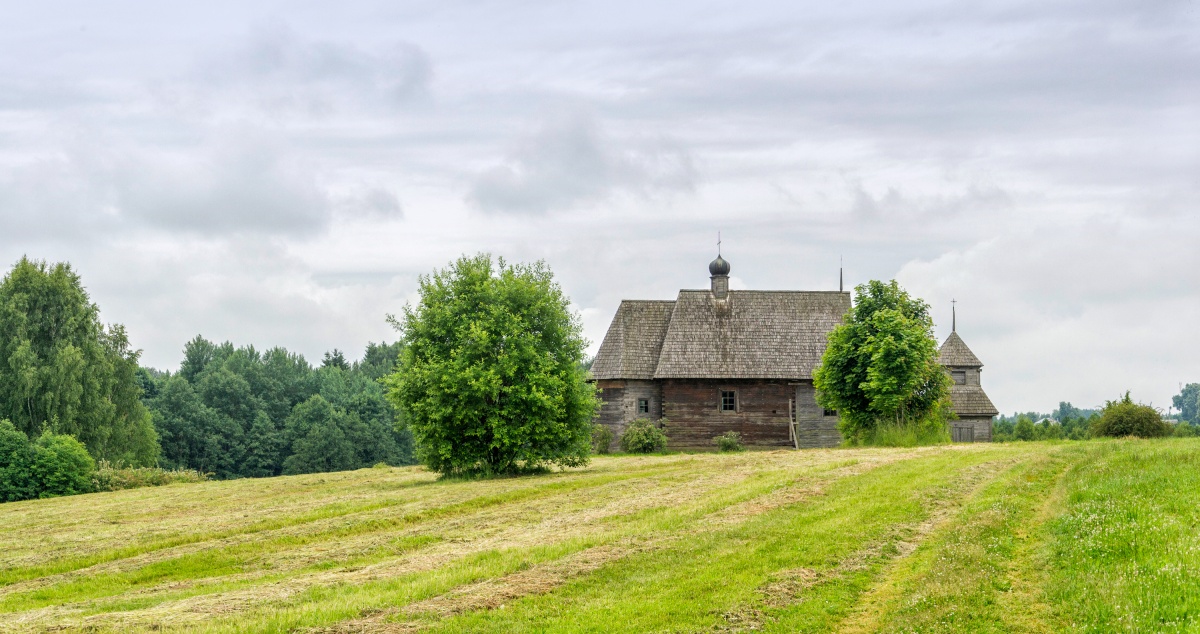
x=716 y=360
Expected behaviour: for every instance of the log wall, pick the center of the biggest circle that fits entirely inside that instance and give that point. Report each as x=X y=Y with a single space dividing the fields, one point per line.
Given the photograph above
x=694 y=418
x=982 y=427
x=619 y=407
x=815 y=428
x=691 y=407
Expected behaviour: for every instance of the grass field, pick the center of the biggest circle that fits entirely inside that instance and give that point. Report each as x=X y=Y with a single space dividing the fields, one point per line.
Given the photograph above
x=1024 y=537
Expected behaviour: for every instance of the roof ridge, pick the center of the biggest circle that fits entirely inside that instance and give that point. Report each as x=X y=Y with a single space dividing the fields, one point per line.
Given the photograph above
x=955 y=352
x=754 y=290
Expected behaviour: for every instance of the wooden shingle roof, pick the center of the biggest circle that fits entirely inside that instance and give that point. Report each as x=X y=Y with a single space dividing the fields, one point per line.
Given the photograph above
x=955 y=353
x=635 y=336
x=750 y=334
x=970 y=400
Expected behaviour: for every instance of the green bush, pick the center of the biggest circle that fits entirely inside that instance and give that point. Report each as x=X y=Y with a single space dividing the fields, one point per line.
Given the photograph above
x=61 y=466
x=1125 y=418
x=53 y=465
x=1023 y=429
x=492 y=381
x=1049 y=431
x=728 y=441
x=110 y=478
x=16 y=455
x=602 y=438
x=1185 y=430
x=643 y=436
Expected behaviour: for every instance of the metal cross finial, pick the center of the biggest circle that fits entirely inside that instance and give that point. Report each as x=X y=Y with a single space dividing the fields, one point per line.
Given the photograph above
x=953 y=316
x=718 y=244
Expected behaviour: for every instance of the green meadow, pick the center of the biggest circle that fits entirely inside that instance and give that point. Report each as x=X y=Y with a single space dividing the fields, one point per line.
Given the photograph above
x=1020 y=537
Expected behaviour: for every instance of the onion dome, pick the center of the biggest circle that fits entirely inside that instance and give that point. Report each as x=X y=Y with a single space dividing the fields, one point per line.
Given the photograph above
x=718 y=266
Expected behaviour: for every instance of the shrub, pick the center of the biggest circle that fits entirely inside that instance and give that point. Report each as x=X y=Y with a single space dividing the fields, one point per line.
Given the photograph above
x=61 y=466
x=642 y=436
x=492 y=379
x=728 y=441
x=110 y=478
x=16 y=455
x=1126 y=418
x=1023 y=429
x=602 y=438
x=1049 y=431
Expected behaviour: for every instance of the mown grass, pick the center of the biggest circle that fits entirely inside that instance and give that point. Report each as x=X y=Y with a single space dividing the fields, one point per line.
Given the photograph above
x=1025 y=537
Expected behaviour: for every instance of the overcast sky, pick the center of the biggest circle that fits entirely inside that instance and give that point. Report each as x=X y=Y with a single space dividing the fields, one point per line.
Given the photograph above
x=279 y=173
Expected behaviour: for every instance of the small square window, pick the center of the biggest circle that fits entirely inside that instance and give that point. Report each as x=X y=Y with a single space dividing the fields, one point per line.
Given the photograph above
x=728 y=401
x=643 y=406
x=960 y=377
x=831 y=412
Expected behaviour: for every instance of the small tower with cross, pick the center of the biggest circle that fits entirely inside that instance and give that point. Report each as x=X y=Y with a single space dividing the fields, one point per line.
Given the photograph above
x=971 y=404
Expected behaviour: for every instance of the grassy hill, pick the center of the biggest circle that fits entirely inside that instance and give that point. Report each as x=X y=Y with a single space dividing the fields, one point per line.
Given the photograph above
x=1096 y=536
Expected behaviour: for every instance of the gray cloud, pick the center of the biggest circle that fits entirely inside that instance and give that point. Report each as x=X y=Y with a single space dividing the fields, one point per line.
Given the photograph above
x=371 y=203
x=276 y=71
x=571 y=162
x=236 y=185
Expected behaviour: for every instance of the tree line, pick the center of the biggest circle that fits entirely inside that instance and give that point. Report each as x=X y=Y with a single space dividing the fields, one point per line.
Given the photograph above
x=71 y=385
x=1120 y=417
x=238 y=412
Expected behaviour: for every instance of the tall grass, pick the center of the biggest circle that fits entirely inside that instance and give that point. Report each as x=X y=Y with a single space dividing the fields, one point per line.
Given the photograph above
x=108 y=477
x=914 y=434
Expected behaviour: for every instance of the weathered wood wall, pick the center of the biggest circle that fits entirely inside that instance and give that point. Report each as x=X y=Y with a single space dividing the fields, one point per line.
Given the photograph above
x=982 y=427
x=691 y=407
x=815 y=428
x=694 y=418
x=619 y=407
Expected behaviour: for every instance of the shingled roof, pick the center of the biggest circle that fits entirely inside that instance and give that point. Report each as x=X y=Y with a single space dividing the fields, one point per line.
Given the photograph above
x=954 y=352
x=970 y=400
x=631 y=346
x=750 y=334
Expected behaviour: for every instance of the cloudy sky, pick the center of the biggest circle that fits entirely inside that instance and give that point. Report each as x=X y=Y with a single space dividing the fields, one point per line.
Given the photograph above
x=279 y=173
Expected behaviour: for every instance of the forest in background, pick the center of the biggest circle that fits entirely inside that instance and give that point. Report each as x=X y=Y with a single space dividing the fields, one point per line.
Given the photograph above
x=237 y=412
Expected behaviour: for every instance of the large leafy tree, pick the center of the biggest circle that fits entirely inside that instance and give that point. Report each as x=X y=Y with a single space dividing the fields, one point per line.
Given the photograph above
x=490 y=378
x=318 y=439
x=880 y=364
x=62 y=370
x=1187 y=401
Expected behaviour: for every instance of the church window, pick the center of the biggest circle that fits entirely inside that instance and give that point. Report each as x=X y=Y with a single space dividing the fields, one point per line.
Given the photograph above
x=643 y=406
x=830 y=412
x=728 y=400
x=960 y=377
